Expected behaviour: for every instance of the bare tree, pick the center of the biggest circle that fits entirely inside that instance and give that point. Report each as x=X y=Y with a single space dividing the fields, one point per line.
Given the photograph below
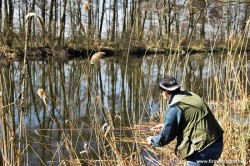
x=141 y=35
x=62 y=24
x=167 y=19
x=102 y=19
x=203 y=13
x=43 y=11
x=1 y=17
x=51 y=14
x=138 y=19
x=124 y=18
x=90 y=18
x=132 y=15
x=113 y=28
x=8 y=21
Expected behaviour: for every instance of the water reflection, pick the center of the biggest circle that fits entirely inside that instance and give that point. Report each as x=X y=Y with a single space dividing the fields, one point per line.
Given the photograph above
x=78 y=92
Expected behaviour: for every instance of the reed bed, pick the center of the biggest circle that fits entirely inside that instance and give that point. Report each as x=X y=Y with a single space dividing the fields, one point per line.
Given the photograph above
x=110 y=135
x=79 y=123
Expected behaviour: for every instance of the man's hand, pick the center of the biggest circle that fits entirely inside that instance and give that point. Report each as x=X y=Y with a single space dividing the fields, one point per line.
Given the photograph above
x=149 y=140
x=157 y=129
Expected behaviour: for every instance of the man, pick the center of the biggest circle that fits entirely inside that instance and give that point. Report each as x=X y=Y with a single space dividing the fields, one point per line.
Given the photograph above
x=199 y=135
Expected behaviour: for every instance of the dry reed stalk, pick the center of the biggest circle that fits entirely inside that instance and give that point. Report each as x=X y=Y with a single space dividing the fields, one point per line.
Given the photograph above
x=74 y=159
x=2 y=141
x=111 y=142
x=7 y=143
x=235 y=144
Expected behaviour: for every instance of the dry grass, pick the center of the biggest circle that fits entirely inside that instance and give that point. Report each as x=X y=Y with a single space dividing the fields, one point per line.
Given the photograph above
x=122 y=141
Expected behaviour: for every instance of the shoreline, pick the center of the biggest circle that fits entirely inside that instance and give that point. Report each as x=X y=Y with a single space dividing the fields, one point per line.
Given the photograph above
x=70 y=53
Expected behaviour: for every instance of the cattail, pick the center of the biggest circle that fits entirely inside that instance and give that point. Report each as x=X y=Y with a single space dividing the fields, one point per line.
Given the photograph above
x=96 y=57
x=42 y=95
x=146 y=7
x=86 y=5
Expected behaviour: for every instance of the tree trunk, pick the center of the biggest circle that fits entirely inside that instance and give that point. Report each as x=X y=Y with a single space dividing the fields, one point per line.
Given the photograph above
x=190 y=28
x=11 y=14
x=168 y=24
x=228 y=20
x=168 y=18
x=203 y=22
x=52 y=2
x=160 y=22
x=1 y=9
x=43 y=8
x=138 y=19
x=102 y=19
x=113 y=21
x=54 y=23
x=19 y=15
x=132 y=15
x=124 y=19
x=31 y=9
x=8 y=27
x=62 y=25
x=96 y=18
x=246 y=16
x=72 y=16
x=177 y=24
x=89 y=29
x=6 y=14
x=90 y=19
x=143 y=25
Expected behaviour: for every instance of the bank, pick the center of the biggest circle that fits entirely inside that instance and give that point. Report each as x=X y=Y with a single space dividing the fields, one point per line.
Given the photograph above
x=68 y=53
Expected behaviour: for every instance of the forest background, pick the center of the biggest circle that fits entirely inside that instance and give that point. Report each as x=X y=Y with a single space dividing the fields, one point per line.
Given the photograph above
x=81 y=28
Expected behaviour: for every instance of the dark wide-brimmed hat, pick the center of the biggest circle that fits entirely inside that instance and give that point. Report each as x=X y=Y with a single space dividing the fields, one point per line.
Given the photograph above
x=169 y=83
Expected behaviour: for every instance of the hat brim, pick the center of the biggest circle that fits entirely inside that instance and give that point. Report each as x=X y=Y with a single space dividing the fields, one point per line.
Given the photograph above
x=171 y=88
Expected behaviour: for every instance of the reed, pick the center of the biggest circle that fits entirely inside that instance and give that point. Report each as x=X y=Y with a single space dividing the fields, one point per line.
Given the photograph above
x=67 y=137
x=89 y=120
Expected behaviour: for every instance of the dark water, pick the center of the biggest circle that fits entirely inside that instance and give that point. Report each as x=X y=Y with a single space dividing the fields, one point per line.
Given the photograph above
x=78 y=93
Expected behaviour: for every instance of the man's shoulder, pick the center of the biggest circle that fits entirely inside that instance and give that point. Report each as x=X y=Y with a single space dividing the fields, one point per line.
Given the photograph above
x=173 y=109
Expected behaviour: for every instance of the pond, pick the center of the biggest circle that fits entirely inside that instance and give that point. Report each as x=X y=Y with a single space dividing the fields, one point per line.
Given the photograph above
x=81 y=98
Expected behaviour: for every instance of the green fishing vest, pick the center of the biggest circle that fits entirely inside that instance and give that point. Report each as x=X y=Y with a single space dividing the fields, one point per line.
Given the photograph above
x=199 y=128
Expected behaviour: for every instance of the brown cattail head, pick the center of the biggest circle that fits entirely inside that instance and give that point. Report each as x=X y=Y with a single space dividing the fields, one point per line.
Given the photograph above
x=96 y=57
x=86 y=5
x=146 y=6
x=41 y=93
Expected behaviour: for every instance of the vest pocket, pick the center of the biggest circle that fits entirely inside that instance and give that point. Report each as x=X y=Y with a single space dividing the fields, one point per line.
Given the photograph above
x=188 y=146
x=185 y=149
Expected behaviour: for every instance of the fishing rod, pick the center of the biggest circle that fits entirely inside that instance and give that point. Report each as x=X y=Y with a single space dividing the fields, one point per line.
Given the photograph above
x=77 y=129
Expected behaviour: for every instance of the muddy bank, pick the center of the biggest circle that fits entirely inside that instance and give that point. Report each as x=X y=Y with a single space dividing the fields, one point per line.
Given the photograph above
x=71 y=53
